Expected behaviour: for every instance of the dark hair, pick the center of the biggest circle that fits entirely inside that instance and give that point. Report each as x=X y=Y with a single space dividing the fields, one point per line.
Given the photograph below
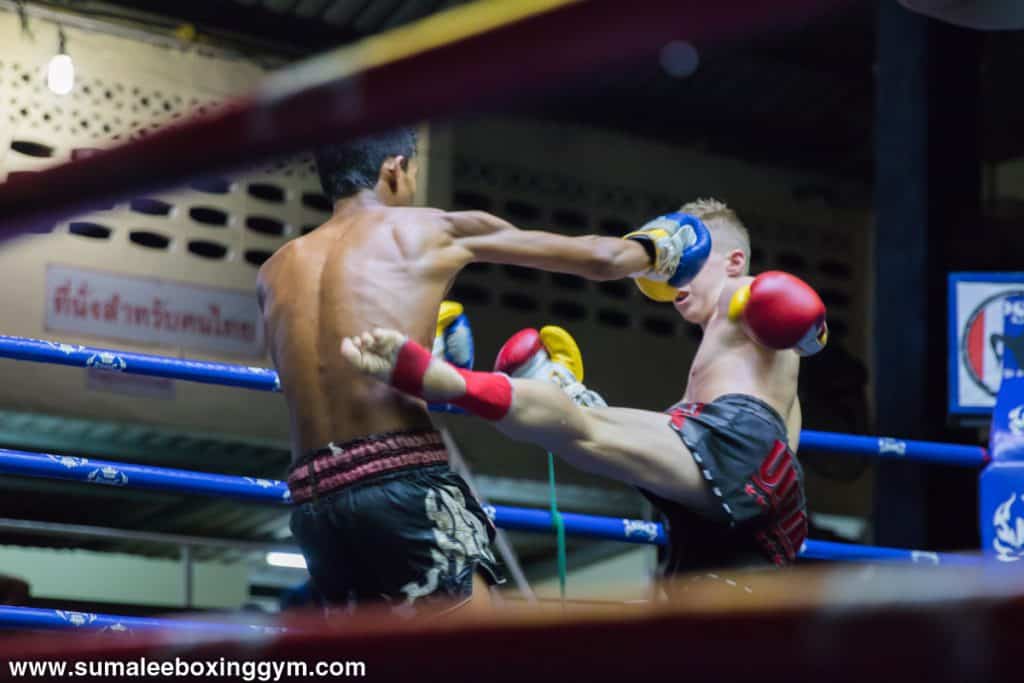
x=352 y=166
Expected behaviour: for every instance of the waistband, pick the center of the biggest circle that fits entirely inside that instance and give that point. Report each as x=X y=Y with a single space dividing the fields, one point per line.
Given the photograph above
x=325 y=470
x=738 y=401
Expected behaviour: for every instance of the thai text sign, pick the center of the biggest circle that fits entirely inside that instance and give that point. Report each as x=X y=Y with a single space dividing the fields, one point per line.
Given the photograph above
x=151 y=311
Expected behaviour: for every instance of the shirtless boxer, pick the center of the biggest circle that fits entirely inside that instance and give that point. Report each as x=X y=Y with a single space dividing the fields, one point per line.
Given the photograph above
x=378 y=513
x=719 y=464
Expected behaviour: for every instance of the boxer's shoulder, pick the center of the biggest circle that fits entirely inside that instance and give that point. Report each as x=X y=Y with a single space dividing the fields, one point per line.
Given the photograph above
x=269 y=268
x=283 y=260
x=425 y=216
x=420 y=228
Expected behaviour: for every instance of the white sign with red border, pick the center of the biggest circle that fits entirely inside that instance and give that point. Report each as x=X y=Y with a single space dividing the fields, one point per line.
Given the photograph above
x=153 y=311
x=977 y=303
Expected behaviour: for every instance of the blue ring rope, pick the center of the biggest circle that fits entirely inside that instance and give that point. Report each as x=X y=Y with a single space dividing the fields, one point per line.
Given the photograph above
x=271 y=491
x=56 y=619
x=266 y=379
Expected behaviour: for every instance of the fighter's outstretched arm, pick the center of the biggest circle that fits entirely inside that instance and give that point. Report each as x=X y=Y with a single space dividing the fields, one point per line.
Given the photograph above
x=480 y=236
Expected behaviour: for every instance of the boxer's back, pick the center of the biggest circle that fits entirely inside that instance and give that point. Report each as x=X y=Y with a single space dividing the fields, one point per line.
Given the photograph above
x=362 y=269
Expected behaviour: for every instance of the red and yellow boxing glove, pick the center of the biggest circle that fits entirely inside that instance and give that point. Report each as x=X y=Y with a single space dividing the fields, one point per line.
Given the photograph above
x=781 y=311
x=550 y=355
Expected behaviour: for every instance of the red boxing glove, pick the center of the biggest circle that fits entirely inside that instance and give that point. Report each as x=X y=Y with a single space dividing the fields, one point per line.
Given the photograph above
x=781 y=311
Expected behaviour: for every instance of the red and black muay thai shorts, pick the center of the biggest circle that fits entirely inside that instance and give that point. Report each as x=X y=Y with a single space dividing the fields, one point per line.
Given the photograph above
x=740 y=445
x=383 y=518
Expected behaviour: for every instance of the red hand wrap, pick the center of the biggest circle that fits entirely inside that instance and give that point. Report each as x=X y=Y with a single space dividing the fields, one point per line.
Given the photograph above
x=488 y=394
x=410 y=366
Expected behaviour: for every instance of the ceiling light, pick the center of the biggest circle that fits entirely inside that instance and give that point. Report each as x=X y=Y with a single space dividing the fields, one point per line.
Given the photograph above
x=287 y=560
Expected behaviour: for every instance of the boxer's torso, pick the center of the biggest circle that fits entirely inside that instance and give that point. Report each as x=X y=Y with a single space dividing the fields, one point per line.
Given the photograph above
x=729 y=362
x=364 y=268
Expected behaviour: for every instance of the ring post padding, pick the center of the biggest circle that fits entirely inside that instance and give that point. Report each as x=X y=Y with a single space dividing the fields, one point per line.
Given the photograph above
x=1001 y=486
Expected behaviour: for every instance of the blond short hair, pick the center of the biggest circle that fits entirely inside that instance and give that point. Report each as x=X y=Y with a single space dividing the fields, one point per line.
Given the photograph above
x=727 y=230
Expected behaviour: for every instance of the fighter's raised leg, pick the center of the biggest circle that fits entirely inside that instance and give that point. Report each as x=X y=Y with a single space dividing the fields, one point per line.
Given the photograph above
x=637 y=447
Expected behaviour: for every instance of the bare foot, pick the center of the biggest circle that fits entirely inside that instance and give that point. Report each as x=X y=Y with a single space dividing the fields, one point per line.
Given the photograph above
x=376 y=354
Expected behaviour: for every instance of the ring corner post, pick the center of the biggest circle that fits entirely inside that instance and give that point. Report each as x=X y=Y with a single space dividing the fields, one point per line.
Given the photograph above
x=927 y=183
x=1001 y=485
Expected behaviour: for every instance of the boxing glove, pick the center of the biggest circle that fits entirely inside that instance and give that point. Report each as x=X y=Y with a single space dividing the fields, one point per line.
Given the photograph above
x=453 y=338
x=679 y=245
x=550 y=355
x=781 y=311
x=453 y=342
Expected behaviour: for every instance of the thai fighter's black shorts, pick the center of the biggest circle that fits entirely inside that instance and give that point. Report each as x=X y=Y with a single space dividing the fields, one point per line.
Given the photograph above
x=384 y=518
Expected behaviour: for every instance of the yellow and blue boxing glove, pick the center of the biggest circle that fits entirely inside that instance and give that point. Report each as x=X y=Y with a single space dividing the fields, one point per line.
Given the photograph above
x=453 y=342
x=453 y=339
x=679 y=245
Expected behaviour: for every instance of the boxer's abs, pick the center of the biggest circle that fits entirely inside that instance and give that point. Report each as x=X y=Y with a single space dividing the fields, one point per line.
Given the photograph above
x=341 y=284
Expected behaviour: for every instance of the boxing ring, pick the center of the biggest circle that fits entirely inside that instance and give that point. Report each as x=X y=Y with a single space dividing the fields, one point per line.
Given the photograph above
x=97 y=472
x=820 y=620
